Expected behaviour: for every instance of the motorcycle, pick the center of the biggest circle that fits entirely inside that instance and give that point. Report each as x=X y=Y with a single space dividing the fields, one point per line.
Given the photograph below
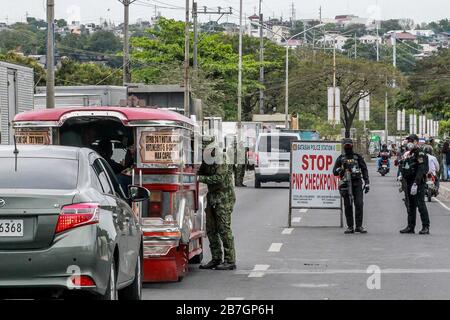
x=431 y=188
x=384 y=165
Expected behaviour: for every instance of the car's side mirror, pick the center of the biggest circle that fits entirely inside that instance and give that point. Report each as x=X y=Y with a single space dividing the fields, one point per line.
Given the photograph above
x=138 y=194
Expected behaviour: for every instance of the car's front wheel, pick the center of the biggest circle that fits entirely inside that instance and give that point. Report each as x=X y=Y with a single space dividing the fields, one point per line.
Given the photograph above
x=134 y=290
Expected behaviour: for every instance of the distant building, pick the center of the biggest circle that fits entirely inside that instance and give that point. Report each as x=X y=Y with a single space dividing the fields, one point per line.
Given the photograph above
x=279 y=33
x=349 y=19
x=334 y=40
x=3 y=26
x=400 y=36
x=370 y=39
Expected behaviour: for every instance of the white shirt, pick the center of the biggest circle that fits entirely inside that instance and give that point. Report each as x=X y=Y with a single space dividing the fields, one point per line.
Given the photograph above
x=433 y=164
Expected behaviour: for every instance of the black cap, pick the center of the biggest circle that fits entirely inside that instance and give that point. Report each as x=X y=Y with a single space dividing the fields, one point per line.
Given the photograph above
x=347 y=141
x=412 y=138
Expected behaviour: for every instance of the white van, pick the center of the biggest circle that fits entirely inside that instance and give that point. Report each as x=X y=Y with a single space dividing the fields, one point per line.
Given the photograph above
x=272 y=155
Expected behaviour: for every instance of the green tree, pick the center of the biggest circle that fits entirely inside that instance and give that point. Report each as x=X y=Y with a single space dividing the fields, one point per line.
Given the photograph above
x=74 y=73
x=104 y=41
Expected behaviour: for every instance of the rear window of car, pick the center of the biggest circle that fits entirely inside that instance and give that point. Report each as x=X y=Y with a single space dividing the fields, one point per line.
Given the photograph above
x=276 y=143
x=38 y=173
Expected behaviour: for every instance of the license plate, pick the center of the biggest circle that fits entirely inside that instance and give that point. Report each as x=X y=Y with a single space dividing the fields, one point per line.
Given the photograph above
x=384 y=166
x=11 y=228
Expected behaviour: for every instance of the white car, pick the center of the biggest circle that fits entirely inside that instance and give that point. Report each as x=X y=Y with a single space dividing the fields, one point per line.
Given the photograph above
x=272 y=155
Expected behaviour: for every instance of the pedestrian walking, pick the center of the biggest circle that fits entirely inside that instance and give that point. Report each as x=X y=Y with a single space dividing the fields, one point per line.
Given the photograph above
x=352 y=169
x=414 y=168
x=220 y=204
x=445 y=154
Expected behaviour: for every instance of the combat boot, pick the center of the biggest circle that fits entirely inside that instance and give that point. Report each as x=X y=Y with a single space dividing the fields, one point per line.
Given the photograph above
x=226 y=266
x=349 y=230
x=210 y=265
x=425 y=230
x=360 y=230
x=407 y=230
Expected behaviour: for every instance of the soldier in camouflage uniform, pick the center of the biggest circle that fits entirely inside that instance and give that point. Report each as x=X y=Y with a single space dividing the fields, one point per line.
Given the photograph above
x=221 y=199
x=240 y=165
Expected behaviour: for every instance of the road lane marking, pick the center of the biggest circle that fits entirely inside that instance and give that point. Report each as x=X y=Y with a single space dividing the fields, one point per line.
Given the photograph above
x=349 y=271
x=235 y=298
x=303 y=210
x=296 y=220
x=259 y=271
x=287 y=231
x=442 y=204
x=275 y=247
x=313 y=285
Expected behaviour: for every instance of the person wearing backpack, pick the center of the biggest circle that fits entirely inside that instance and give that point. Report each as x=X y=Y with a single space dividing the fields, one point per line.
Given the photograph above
x=414 y=169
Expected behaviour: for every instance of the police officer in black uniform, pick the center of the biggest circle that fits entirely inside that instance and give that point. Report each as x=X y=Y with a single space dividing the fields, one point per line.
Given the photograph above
x=352 y=169
x=414 y=168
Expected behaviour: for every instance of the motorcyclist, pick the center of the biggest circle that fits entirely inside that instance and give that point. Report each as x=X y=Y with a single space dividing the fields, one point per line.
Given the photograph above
x=384 y=154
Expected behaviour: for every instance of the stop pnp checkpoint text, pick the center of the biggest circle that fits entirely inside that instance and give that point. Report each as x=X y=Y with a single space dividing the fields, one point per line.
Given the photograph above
x=313 y=171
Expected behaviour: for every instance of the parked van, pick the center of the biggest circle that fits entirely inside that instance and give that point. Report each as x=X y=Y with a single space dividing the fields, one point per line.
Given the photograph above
x=272 y=157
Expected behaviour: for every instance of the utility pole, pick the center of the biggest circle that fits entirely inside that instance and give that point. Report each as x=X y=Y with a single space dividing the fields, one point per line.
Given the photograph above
x=195 y=13
x=50 y=54
x=334 y=85
x=356 y=47
x=126 y=41
x=386 y=114
x=378 y=43
x=239 y=108
x=186 y=62
x=195 y=19
x=394 y=49
x=261 y=59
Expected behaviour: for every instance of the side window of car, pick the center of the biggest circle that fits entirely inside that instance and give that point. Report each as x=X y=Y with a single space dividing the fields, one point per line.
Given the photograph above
x=96 y=181
x=101 y=174
x=112 y=177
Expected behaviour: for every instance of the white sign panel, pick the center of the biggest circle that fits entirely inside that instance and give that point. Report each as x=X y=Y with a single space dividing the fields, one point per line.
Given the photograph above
x=334 y=105
x=364 y=109
x=313 y=184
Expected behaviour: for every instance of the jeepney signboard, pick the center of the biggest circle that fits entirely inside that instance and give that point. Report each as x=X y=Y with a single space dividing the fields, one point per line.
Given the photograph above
x=33 y=136
x=159 y=147
x=312 y=183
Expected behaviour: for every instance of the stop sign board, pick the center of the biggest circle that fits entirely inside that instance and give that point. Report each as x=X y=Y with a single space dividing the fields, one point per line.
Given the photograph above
x=312 y=183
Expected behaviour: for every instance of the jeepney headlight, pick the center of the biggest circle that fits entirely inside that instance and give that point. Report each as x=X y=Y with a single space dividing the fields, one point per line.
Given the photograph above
x=156 y=250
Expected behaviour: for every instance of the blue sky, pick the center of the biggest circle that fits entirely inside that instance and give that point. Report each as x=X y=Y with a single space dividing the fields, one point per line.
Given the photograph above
x=93 y=10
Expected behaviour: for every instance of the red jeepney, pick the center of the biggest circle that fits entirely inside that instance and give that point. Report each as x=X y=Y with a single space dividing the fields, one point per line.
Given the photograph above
x=156 y=149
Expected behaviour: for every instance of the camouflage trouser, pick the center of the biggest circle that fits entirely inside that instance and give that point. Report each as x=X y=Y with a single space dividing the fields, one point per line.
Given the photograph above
x=218 y=229
x=239 y=174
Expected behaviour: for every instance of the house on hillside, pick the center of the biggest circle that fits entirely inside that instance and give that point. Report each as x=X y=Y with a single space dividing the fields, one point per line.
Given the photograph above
x=333 y=40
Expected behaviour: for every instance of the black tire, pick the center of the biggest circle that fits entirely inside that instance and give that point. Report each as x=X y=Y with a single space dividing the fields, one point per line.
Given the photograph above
x=134 y=290
x=257 y=182
x=197 y=259
x=111 y=290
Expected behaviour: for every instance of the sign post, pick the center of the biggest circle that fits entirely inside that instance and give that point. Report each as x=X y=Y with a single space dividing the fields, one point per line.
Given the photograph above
x=312 y=183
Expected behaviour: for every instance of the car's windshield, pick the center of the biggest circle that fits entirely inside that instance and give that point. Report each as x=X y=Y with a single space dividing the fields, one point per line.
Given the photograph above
x=276 y=143
x=38 y=173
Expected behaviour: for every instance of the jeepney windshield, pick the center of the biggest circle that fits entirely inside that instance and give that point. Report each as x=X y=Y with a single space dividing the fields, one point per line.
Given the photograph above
x=108 y=136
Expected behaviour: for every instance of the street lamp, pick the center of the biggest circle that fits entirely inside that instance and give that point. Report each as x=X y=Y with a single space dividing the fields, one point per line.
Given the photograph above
x=287 y=40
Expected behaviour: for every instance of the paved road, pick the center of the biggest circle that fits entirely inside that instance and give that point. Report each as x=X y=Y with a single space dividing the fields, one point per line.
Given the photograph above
x=310 y=262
